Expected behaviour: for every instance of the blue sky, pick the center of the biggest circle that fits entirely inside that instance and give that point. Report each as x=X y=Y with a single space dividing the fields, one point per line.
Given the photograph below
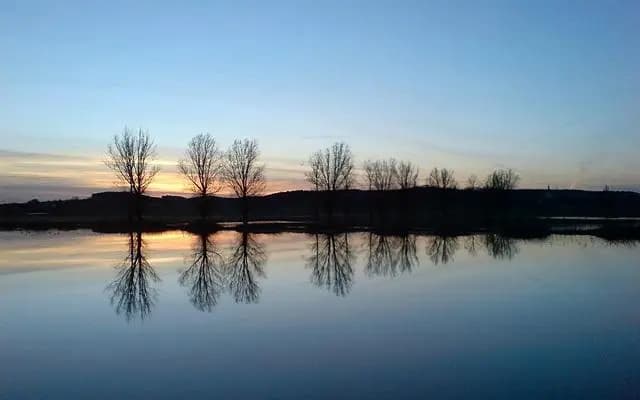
x=551 y=89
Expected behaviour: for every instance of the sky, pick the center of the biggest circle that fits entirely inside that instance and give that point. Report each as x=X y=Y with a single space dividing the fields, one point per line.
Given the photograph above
x=548 y=88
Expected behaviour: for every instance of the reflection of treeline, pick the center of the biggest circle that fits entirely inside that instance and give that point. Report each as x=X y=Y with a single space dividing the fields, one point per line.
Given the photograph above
x=332 y=255
x=209 y=274
x=212 y=271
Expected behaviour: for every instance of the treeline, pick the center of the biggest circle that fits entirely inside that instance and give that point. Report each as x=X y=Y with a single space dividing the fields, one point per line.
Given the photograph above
x=207 y=170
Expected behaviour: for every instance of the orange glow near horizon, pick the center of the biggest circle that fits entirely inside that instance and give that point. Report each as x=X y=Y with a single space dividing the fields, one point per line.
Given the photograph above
x=83 y=176
x=26 y=176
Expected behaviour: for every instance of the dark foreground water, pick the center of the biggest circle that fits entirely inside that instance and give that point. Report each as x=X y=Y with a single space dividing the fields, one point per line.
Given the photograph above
x=296 y=316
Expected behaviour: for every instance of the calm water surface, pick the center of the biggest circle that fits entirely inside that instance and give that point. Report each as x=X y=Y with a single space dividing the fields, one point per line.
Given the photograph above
x=295 y=316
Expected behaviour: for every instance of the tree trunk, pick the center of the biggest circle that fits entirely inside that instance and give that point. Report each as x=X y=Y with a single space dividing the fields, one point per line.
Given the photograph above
x=204 y=207
x=245 y=210
x=138 y=204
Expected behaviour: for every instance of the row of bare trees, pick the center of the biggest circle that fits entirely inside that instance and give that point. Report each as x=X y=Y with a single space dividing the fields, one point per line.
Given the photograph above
x=333 y=169
x=205 y=167
x=207 y=170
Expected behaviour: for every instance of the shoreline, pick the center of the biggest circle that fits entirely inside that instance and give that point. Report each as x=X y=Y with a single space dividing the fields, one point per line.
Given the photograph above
x=606 y=228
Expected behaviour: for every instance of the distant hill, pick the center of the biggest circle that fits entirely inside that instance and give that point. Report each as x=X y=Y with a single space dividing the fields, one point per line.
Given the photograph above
x=414 y=206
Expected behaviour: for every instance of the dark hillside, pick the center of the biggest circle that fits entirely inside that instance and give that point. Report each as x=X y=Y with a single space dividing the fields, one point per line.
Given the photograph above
x=414 y=206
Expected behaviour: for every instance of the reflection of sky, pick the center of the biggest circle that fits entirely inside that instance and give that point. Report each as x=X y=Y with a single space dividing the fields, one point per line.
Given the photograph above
x=548 y=89
x=474 y=327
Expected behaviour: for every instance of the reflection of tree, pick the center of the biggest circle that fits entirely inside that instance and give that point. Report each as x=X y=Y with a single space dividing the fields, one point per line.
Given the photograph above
x=407 y=252
x=245 y=262
x=471 y=244
x=500 y=247
x=389 y=255
x=441 y=249
x=204 y=277
x=131 y=293
x=331 y=263
x=382 y=258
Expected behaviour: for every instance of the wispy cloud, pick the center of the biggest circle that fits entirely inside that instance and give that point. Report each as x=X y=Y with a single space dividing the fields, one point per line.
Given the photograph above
x=24 y=176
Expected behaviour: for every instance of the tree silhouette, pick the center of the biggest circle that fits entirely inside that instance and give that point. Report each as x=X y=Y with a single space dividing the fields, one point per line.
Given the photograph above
x=243 y=173
x=205 y=276
x=131 y=290
x=331 y=263
x=442 y=179
x=130 y=157
x=407 y=175
x=441 y=249
x=331 y=170
x=245 y=263
x=381 y=174
x=472 y=182
x=202 y=168
x=502 y=179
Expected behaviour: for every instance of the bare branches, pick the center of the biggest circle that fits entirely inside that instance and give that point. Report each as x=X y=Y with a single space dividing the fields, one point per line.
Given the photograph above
x=244 y=266
x=205 y=276
x=407 y=175
x=130 y=156
x=442 y=179
x=502 y=179
x=202 y=165
x=241 y=170
x=331 y=263
x=381 y=174
x=331 y=168
x=132 y=292
x=472 y=182
x=500 y=247
x=441 y=249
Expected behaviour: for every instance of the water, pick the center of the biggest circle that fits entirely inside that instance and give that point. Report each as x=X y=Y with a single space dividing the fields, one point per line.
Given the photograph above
x=295 y=316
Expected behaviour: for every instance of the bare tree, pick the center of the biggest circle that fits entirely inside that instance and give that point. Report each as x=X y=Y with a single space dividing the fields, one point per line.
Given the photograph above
x=242 y=172
x=130 y=157
x=442 y=178
x=472 y=182
x=202 y=167
x=369 y=174
x=331 y=168
x=407 y=175
x=502 y=179
x=381 y=174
